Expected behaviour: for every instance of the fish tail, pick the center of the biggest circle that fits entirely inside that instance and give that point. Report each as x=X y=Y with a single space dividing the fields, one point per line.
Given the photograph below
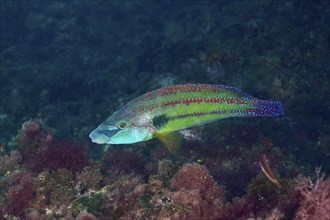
x=268 y=108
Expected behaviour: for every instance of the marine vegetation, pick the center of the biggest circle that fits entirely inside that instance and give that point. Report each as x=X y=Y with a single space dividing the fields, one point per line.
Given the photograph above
x=160 y=68
x=175 y=190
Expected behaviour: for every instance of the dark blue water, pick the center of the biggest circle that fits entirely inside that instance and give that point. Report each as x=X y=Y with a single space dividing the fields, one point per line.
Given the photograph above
x=70 y=64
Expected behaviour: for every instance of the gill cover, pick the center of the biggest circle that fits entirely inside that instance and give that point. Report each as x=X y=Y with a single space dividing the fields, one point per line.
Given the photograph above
x=115 y=135
x=117 y=129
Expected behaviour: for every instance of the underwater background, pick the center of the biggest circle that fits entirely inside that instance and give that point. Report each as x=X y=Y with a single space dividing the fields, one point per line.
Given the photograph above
x=65 y=66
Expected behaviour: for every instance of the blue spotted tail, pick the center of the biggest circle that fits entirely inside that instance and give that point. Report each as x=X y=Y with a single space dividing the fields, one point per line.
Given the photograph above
x=268 y=108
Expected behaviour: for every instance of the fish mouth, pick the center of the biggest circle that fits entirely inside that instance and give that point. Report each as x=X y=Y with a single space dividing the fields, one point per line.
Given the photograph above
x=103 y=136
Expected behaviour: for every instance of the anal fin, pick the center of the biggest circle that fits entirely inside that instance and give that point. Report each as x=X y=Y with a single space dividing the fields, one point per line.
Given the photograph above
x=171 y=140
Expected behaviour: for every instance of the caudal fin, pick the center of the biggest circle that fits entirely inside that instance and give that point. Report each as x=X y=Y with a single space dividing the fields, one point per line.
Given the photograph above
x=268 y=108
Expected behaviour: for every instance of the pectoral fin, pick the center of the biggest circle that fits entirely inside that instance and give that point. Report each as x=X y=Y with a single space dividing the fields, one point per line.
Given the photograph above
x=171 y=140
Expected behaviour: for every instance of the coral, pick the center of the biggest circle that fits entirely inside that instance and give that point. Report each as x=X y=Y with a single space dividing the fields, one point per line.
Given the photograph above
x=315 y=197
x=65 y=154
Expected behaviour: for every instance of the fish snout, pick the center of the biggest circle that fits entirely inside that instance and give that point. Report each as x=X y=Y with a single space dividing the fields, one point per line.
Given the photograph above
x=102 y=136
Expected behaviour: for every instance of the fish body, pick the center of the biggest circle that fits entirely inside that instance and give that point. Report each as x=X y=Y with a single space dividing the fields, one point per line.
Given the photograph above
x=161 y=112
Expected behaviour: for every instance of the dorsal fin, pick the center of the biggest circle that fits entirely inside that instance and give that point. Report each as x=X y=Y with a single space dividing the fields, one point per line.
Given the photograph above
x=243 y=94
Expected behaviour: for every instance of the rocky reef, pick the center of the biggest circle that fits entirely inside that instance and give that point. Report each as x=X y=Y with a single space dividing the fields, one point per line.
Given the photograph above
x=67 y=65
x=90 y=189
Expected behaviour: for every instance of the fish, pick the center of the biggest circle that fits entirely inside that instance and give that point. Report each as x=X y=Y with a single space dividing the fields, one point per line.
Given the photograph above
x=264 y=164
x=165 y=111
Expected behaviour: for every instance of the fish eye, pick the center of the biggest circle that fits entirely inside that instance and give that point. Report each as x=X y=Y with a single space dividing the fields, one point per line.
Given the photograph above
x=122 y=125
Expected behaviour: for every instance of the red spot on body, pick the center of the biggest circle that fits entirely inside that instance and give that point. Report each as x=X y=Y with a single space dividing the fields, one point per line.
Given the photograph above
x=203 y=87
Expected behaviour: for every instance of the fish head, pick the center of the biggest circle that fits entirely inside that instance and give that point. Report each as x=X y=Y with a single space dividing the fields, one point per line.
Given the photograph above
x=119 y=129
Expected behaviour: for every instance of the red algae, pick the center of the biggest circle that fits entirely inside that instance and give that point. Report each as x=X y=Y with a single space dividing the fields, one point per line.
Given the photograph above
x=42 y=151
x=32 y=132
x=20 y=194
x=257 y=52
x=196 y=194
x=31 y=127
x=65 y=154
x=124 y=161
x=86 y=216
x=315 y=203
x=32 y=138
x=10 y=163
x=59 y=175
x=197 y=177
